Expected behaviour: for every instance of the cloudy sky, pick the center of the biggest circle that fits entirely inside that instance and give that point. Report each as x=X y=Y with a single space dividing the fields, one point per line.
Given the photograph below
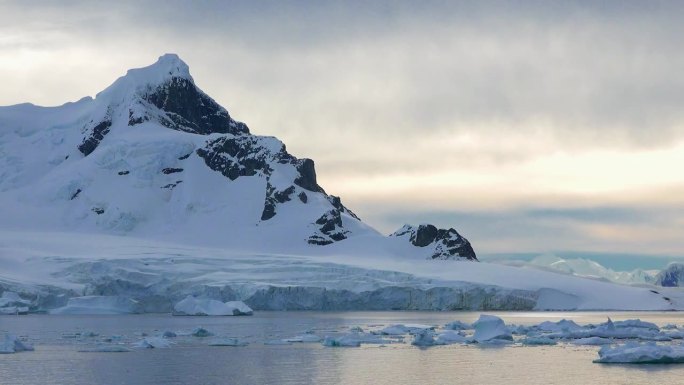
x=528 y=126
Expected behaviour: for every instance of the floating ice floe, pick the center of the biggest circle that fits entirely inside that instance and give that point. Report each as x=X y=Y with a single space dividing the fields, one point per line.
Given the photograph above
x=489 y=328
x=354 y=339
x=231 y=341
x=635 y=353
x=629 y=329
x=277 y=342
x=106 y=348
x=562 y=325
x=153 y=343
x=11 y=344
x=210 y=307
x=401 y=329
x=169 y=334
x=448 y=337
x=99 y=305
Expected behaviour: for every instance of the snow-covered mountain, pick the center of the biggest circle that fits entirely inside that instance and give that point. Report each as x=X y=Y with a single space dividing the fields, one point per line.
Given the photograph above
x=151 y=192
x=671 y=276
x=154 y=156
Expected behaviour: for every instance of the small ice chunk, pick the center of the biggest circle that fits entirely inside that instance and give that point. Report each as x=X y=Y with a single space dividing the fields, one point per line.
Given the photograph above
x=489 y=327
x=201 y=332
x=356 y=329
x=424 y=338
x=169 y=334
x=231 y=341
x=452 y=337
x=277 y=342
x=153 y=343
x=635 y=353
x=340 y=342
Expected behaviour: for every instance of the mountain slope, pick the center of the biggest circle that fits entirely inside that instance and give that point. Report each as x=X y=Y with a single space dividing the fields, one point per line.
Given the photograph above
x=154 y=156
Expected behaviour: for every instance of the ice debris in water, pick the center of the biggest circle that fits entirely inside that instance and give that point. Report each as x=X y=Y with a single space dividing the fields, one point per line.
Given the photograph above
x=595 y=341
x=169 y=334
x=153 y=343
x=11 y=344
x=489 y=328
x=201 y=332
x=401 y=329
x=636 y=353
x=354 y=339
x=304 y=338
x=231 y=341
x=452 y=337
x=277 y=342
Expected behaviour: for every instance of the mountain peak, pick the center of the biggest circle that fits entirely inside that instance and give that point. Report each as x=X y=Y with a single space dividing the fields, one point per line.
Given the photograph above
x=168 y=66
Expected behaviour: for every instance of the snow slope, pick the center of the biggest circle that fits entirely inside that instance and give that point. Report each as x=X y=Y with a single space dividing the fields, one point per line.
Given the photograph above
x=583 y=267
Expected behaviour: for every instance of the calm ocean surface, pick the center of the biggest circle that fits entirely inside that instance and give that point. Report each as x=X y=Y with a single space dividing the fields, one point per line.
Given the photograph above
x=190 y=360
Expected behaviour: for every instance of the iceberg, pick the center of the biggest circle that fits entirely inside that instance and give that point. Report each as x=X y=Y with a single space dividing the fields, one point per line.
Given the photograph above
x=353 y=339
x=12 y=344
x=203 y=307
x=489 y=327
x=99 y=305
x=635 y=353
x=562 y=325
x=340 y=342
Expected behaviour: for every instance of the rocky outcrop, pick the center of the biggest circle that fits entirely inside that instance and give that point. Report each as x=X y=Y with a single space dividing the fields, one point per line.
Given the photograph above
x=94 y=136
x=447 y=244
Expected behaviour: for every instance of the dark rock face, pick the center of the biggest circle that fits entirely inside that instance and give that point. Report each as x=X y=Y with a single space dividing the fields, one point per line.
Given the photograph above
x=307 y=176
x=330 y=230
x=98 y=210
x=672 y=276
x=170 y=186
x=448 y=244
x=171 y=170
x=125 y=172
x=191 y=110
x=95 y=136
x=239 y=156
x=75 y=195
x=302 y=197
